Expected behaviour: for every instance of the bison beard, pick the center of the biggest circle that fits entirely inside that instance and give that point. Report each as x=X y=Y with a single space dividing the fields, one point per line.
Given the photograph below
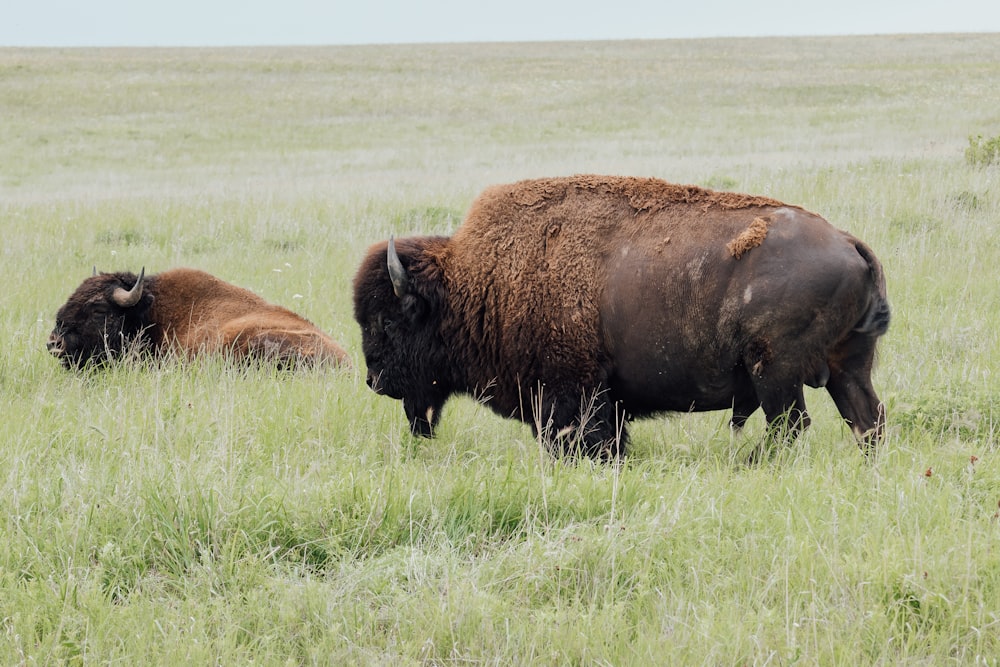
x=584 y=302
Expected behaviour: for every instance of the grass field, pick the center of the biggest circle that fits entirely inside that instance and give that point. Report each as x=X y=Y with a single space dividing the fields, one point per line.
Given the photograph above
x=201 y=513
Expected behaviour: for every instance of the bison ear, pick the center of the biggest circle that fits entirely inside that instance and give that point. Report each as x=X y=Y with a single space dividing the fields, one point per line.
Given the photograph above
x=414 y=307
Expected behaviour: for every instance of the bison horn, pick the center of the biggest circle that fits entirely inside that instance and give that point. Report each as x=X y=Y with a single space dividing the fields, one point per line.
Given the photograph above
x=128 y=298
x=396 y=271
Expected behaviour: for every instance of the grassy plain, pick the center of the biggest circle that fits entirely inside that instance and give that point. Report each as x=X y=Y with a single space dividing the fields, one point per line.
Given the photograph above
x=201 y=513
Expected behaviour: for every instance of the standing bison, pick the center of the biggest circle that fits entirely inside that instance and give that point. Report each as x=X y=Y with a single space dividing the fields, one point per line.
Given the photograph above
x=576 y=304
x=182 y=311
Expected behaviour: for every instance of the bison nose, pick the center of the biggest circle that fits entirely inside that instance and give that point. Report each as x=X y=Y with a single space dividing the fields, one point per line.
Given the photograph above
x=373 y=381
x=55 y=345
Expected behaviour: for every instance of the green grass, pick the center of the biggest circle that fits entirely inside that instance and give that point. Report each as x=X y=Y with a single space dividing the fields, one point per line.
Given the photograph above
x=983 y=152
x=201 y=513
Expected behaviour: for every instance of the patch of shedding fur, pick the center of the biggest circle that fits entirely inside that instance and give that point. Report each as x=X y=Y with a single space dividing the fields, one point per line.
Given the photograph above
x=749 y=238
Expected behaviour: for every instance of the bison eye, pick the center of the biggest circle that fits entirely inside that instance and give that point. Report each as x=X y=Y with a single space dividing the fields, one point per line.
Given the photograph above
x=383 y=324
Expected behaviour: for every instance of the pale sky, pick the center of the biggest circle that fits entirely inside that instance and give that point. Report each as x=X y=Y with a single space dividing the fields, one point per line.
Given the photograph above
x=298 y=22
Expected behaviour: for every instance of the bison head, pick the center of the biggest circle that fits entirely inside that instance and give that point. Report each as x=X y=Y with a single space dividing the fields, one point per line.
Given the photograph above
x=103 y=318
x=399 y=303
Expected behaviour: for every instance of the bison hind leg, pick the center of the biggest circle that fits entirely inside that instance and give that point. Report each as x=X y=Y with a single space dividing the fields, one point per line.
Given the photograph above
x=785 y=410
x=290 y=349
x=276 y=351
x=851 y=388
x=820 y=377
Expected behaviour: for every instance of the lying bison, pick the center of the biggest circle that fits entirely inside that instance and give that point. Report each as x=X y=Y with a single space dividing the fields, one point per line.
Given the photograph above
x=182 y=311
x=576 y=304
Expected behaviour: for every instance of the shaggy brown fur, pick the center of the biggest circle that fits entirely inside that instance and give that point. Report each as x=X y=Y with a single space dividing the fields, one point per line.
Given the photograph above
x=643 y=194
x=560 y=230
x=197 y=312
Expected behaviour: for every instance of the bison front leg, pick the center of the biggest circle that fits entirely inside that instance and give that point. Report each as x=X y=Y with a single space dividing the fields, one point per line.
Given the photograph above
x=587 y=426
x=422 y=416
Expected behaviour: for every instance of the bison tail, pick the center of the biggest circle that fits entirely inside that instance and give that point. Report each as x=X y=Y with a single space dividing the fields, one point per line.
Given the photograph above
x=875 y=321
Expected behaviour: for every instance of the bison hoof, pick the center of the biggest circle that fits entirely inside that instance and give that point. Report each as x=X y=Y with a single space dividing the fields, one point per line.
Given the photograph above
x=422 y=428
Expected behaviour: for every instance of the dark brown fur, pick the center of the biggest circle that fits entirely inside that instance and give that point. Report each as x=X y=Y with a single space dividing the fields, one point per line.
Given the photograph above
x=184 y=312
x=557 y=291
